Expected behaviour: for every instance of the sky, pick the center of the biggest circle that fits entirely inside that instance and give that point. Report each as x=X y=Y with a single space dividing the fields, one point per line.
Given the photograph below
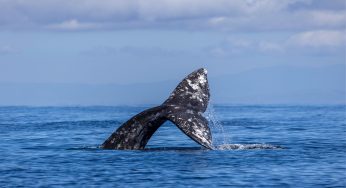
x=112 y=52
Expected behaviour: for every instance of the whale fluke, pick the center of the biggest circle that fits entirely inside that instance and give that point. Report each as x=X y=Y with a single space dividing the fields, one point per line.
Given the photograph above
x=192 y=92
x=184 y=107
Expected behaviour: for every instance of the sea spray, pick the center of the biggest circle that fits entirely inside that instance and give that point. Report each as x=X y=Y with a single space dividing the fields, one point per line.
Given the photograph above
x=220 y=137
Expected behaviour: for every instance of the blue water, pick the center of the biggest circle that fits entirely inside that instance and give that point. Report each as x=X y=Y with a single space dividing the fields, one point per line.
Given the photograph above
x=260 y=146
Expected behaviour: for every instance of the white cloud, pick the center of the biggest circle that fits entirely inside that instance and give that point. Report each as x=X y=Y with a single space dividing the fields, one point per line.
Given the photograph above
x=219 y=52
x=242 y=15
x=132 y=51
x=265 y=46
x=73 y=25
x=217 y=20
x=239 y=42
x=307 y=42
x=322 y=38
x=328 y=18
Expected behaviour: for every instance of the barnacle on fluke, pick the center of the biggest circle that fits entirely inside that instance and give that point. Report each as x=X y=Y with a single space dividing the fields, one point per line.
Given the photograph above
x=184 y=107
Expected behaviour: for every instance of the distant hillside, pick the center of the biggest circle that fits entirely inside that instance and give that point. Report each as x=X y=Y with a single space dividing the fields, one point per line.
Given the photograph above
x=282 y=85
x=259 y=86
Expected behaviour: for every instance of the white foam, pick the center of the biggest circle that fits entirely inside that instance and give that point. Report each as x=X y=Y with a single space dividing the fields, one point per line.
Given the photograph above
x=245 y=146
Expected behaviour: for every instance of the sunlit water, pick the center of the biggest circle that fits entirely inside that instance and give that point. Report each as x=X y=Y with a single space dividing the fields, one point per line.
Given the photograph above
x=260 y=146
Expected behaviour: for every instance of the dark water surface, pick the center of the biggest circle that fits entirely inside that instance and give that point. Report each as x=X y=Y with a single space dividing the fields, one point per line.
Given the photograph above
x=264 y=146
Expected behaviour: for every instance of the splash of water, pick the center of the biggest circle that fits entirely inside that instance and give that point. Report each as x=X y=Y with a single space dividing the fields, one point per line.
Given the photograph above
x=246 y=146
x=222 y=140
x=220 y=137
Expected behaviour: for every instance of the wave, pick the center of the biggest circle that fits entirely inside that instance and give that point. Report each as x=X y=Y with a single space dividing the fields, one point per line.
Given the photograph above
x=59 y=123
x=219 y=147
x=246 y=146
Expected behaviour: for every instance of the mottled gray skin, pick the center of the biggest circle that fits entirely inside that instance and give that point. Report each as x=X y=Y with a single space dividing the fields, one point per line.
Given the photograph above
x=184 y=107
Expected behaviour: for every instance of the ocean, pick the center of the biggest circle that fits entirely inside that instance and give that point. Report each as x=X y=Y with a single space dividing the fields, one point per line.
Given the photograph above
x=256 y=146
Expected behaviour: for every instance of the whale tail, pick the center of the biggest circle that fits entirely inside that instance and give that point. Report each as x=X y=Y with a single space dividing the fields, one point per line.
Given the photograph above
x=184 y=107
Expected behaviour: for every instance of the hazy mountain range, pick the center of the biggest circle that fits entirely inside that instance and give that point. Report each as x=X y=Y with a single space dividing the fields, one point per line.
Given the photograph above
x=298 y=85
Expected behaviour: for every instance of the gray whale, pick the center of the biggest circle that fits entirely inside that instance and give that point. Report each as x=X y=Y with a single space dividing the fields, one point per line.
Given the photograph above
x=184 y=108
